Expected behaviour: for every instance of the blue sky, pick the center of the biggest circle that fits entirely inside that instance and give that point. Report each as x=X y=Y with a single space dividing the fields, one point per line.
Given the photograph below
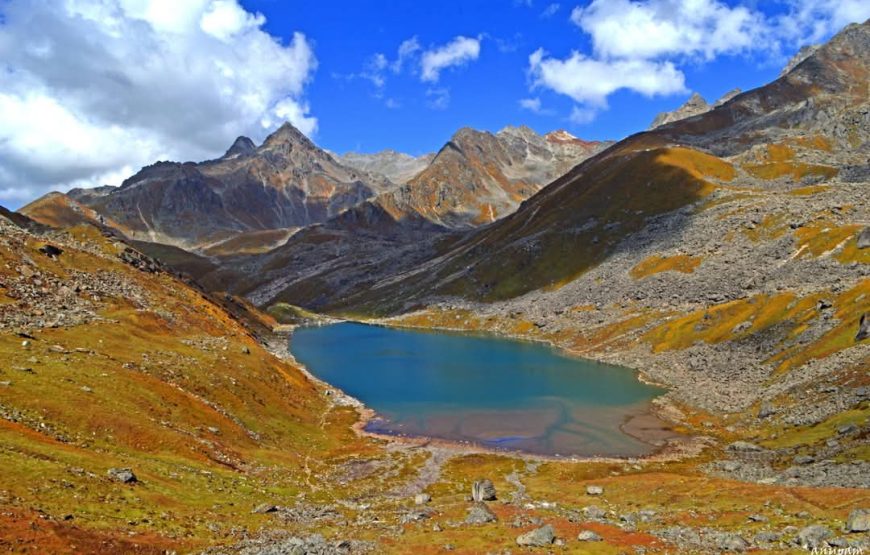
x=93 y=90
x=355 y=114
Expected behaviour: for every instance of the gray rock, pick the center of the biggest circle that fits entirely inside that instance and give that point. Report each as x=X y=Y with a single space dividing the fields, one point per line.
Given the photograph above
x=479 y=513
x=594 y=490
x=483 y=490
x=264 y=508
x=539 y=537
x=858 y=521
x=766 y=410
x=863 y=328
x=864 y=238
x=763 y=538
x=813 y=536
x=588 y=536
x=744 y=447
x=422 y=498
x=593 y=512
x=123 y=475
x=732 y=542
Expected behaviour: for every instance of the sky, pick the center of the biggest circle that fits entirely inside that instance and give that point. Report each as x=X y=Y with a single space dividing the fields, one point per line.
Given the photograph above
x=92 y=90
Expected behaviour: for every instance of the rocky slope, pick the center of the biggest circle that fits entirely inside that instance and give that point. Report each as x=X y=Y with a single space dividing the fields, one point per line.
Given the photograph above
x=478 y=177
x=396 y=166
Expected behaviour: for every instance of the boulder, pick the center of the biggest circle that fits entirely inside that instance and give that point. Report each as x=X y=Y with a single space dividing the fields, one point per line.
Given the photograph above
x=814 y=536
x=483 y=490
x=539 y=537
x=594 y=490
x=264 y=508
x=479 y=513
x=858 y=521
x=123 y=475
x=593 y=512
x=422 y=498
x=864 y=238
x=863 y=328
x=744 y=447
x=588 y=536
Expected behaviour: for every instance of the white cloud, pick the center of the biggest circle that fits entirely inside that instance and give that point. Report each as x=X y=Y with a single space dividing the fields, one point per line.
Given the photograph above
x=591 y=81
x=640 y=45
x=439 y=98
x=550 y=11
x=654 y=28
x=407 y=50
x=107 y=87
x=531 y=104
x=457 y=52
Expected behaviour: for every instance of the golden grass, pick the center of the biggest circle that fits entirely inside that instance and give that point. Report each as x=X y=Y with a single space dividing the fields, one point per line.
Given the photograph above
x=656 y=264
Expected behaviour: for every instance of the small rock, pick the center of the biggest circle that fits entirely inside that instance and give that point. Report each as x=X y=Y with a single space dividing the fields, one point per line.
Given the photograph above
x=87 y=389
x=422 y=498
x=539 y=537
x=813 y=536
x=123 y=475
x=733 y=542
x=803 y=459
x=744 y=447
x=757 y=518
x=864 y=238
x=767 y=537
x=246 y=350
x=264 y=508
x=483 y=490
x=51 y=251
x=588 y=536
x=863 y=328
x=479 y=513
x=5 y=383
x=25 y=344
x=57 y=349
x=214 y=430
x=766 y=410
x=593 y=512
x=594 y=490
x=858 y=521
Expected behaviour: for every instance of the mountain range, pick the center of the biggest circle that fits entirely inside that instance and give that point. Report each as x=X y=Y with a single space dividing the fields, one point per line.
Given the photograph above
x=724 y=254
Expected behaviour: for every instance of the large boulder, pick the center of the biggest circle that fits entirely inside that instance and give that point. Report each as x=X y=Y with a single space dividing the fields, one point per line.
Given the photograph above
x=864 y=238
x=483 y=490
x=539 y=537
x=123 y=475
x=863 y=328
x=858 y=521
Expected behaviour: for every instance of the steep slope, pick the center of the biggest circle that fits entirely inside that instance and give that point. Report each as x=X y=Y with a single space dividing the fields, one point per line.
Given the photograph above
x=396 y=166
x=478 y=177
x=285 y=183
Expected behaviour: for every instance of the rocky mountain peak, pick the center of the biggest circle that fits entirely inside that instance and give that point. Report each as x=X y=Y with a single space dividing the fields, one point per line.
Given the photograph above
x=287 y=135
x=805 y=52
x=241 y=146
x=694 y=106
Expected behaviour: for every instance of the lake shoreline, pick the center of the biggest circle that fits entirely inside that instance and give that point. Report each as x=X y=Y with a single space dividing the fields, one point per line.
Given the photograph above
x=667 y=445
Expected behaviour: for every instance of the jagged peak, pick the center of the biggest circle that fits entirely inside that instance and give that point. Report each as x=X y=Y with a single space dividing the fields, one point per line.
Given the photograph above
x=287 y=134
x=241 y=146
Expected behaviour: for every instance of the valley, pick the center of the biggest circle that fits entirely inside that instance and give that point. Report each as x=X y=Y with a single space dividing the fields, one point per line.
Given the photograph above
x=185 y=357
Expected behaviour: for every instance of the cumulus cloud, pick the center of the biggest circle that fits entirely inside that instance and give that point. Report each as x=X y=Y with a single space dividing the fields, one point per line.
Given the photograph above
x=643 y=30
x=107 y=87
x=457 y=52
x=640 y=45
x=591 y=81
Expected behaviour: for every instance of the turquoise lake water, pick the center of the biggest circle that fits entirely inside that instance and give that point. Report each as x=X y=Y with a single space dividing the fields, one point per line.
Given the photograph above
x=495 y=392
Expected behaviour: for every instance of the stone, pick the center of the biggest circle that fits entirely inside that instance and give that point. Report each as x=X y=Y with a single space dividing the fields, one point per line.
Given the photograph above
x=863 y=328
x=858 y=521
x=732 y=542
x=51 y=251
x=483 y=490
x=479 y=513
x=123 y=475
x=864 y=238
x=539 y=537
x=57 y=349
x=588 y=536
x=593 y=512
x=594 y=490
x=744 y=447
x=246 y=350
x=264 y=508
x=814 y=536
x=422 y=498
x=87 y=389
x=804 y=459
x=766 y=410
x=757 y=518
